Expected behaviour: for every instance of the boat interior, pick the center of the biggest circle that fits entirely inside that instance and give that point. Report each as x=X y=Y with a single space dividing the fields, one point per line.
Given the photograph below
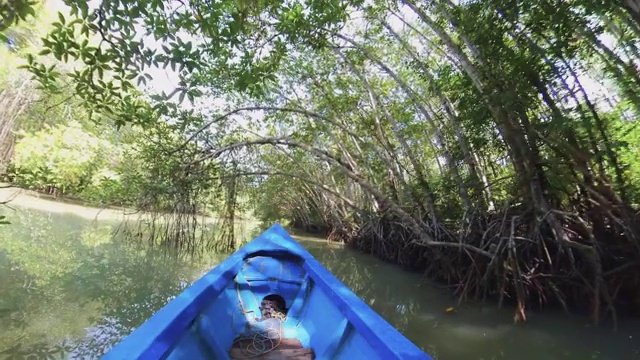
x=272 y=309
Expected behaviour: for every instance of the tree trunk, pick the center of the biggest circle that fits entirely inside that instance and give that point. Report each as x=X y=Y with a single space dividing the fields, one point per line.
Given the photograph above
x=632 y=7
x=453 y=119
x=421 y=108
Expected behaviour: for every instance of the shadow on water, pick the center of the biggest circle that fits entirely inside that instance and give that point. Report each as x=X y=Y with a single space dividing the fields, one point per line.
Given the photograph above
x=476 y=330
x=70 y=289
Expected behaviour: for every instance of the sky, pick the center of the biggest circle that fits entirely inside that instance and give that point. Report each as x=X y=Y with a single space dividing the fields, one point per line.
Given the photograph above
x=166 y=80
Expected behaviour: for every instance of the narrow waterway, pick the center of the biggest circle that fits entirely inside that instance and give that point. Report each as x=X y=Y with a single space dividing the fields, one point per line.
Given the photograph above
x=70 y=289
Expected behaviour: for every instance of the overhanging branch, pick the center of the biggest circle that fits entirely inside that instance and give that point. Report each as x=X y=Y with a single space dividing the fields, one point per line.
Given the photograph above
x=347 y=201
x=424 y=236
x=257 y=108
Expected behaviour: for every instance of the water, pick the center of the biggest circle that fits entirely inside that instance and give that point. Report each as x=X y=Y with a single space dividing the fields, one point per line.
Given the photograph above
x=476 y=330
x=68 y=289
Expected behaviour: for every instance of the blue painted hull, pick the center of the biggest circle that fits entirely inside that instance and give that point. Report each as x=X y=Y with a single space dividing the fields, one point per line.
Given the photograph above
x=323 y=314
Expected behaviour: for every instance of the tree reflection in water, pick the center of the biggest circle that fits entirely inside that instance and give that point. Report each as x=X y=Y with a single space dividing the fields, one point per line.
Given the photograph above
x=69 y=289
x=476 y=330
x=362 y=275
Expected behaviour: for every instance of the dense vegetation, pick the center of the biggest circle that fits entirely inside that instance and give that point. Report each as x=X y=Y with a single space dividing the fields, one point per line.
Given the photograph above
x=492 y=144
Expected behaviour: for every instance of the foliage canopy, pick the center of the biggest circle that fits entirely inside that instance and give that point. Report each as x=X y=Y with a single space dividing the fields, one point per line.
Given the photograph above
x=493 y=144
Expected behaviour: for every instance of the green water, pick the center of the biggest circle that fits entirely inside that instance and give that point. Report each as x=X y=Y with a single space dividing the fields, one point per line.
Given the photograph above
x=69 y=289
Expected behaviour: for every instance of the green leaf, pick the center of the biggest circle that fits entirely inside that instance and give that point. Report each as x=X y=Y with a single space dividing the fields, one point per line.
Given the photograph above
x=84 y=8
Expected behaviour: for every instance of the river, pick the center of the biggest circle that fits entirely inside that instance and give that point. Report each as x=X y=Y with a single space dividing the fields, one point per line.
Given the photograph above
x=69 y=288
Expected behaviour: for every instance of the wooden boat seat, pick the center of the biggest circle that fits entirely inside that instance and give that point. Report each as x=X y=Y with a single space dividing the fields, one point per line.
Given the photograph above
x=288 y=349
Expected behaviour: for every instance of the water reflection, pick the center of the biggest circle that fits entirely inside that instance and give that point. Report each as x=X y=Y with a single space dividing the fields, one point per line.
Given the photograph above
x=476 y=330
x=69 y=289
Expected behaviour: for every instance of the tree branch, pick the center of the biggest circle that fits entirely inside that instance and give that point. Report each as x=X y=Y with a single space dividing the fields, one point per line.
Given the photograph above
x=256 y=108
x=425 y=238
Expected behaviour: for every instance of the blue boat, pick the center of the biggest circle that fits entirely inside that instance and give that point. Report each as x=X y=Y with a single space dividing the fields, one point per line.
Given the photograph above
x=271 y=299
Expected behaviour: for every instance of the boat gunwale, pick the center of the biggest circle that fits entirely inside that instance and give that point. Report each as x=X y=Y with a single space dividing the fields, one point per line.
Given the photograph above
x=162 y=331
x=389 y=342
x=159 y=334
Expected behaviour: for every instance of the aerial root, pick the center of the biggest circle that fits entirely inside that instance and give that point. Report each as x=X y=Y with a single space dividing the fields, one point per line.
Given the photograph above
x=533 y=260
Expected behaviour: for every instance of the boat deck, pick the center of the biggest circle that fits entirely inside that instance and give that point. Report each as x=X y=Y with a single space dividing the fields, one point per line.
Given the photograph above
x=287 y=349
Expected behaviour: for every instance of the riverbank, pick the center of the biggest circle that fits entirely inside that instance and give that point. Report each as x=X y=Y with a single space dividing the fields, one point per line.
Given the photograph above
x=14 y=196
x=135 y=222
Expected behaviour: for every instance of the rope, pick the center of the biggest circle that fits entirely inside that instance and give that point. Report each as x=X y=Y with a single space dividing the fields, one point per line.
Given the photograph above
x=261 y=340
x=258 y=343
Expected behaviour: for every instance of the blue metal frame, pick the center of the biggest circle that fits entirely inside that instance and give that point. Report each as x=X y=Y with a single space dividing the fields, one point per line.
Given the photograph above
x=156 y=337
